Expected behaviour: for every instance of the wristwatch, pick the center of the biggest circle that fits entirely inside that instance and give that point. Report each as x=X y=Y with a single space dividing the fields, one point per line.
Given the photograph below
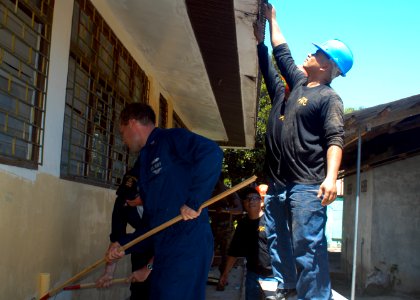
x=149 y=267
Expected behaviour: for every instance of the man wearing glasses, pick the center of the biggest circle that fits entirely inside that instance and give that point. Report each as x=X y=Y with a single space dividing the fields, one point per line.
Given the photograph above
x=250 y=241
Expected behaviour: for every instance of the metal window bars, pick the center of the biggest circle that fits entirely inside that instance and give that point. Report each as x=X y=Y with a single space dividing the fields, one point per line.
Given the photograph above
x=102 y=78
x=163 y=112
x=25 y=33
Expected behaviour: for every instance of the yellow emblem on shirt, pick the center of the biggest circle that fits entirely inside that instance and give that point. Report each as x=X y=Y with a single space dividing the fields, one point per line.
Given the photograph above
x=281 y=118
x=303 y=101
x=261 y=228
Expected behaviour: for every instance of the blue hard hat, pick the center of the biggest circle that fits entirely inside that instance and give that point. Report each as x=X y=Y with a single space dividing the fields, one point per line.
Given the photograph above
x=339 y=53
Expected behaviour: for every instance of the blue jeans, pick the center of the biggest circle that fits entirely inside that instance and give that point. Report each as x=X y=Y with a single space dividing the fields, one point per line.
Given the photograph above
x=253 y=289
x=295 y=225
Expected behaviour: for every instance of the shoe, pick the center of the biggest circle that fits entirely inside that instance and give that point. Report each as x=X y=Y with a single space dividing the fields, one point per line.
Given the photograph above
x=286 y=294
x=220 y=287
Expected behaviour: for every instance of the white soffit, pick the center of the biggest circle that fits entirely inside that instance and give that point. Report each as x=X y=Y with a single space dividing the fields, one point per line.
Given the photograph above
x=161 y=30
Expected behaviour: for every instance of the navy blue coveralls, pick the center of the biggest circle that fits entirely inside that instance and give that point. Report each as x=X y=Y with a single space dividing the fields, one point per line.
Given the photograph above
x=179 y=167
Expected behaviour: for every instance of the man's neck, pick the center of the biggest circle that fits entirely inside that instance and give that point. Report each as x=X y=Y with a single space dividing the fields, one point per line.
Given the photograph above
x=312 y=84
x=315 y=81
x=316 y=78
x=145 y=133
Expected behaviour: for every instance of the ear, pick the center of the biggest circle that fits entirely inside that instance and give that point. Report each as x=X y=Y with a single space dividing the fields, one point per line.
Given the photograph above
x=325 y=67
x=132 y=123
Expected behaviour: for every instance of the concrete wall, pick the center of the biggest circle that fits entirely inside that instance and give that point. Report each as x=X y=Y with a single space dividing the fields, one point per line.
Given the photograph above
x=389 y=224
x=365 y=230
x=52 y=225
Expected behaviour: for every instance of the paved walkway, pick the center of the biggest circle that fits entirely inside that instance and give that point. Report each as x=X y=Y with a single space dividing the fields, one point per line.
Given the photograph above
x=233 y=291
x=342 y=287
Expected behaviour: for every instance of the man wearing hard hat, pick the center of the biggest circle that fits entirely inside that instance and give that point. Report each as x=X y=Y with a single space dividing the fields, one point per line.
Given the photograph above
x=304 y=147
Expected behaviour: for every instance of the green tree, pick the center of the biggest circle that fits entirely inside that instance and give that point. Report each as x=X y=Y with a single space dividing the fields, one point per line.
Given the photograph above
x=240 y=164
x=349 y=110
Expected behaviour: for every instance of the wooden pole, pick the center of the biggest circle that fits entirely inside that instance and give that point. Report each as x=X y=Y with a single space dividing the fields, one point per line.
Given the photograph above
x=92 y=285
x=148 y=234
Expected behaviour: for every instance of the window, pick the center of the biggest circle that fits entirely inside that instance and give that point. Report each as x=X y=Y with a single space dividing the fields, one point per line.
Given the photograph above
x=177 y=123
x=163 y=112
x=25 y=34
x=102 y=78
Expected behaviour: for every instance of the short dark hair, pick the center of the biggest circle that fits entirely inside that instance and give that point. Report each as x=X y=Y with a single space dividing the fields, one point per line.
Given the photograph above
x=246 y=191
x=139 y=111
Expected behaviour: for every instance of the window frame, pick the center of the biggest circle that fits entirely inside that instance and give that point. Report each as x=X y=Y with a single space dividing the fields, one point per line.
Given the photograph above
x=163 y=112
x=34 y=20
x=106 y=93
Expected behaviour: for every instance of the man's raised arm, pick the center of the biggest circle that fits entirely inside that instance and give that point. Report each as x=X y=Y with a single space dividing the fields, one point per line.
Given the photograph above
x=277 y=37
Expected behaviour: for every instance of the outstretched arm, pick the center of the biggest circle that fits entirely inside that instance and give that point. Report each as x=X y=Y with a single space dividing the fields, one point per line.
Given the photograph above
x=141 y=275
x=288 y=69
x=106 y=279
x=277 y=37
x=225 y=275
x=275 y=86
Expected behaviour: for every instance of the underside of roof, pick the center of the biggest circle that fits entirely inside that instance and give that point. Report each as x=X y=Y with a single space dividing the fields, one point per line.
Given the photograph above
x=203 y=55
x=388 y=132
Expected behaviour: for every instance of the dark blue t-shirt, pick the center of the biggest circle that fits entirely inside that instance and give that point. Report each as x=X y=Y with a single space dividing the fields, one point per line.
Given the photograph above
x=299 y=130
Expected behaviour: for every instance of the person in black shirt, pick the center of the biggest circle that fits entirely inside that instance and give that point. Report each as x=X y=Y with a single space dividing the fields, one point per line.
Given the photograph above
x=128 y=209
x=250 y=241
x=304 y=143
x=223 y=213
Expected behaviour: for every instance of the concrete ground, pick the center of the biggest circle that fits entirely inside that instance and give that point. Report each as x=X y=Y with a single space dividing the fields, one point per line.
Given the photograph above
x=235 y=290
x=341 y=286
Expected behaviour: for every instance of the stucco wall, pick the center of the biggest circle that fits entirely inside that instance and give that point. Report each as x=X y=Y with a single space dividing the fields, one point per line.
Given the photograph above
x=397 y=229
x=53 y=226
x=48 y=224
x=364 y=226
x=389 y=224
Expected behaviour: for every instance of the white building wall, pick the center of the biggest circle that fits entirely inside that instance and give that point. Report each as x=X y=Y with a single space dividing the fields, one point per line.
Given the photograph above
x=57 y=82
x=389 y=224
x=396 y=229
x=364 y=226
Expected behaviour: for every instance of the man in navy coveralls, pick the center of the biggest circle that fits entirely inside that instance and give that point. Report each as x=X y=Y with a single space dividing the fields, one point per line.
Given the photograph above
x=178 y=172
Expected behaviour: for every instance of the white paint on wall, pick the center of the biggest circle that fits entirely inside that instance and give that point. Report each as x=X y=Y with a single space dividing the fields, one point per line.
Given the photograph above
x=57 y=82
x=389 y=218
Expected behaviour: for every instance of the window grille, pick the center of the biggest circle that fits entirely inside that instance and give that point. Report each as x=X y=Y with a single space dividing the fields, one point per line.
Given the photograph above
x=25 y=35
x=102 y=78
x=163 y=112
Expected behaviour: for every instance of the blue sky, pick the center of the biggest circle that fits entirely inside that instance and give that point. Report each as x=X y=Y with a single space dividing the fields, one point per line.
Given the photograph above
x=383 y=35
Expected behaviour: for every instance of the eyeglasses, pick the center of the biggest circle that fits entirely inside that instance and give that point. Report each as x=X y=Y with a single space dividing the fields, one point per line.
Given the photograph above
x=253 y=198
